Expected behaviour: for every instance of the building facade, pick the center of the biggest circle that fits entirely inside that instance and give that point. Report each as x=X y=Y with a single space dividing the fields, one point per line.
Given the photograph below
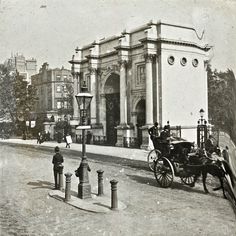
x=53 y=88
x=156 y=72
x=25 y=67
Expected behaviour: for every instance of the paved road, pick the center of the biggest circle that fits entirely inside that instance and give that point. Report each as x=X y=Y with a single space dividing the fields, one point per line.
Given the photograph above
x=26 y=208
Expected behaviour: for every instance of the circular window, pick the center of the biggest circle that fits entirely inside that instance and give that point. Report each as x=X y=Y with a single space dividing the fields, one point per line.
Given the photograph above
x=171 y=60
x=195 y=62
x=183 y=61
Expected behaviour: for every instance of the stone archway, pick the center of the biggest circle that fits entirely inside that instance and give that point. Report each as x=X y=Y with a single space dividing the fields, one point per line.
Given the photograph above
x=140 y=110
x=112 y=95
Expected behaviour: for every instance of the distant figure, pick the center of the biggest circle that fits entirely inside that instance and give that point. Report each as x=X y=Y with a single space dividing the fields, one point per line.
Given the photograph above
x=165 y=134
x=48 y=136
x=39 y=138
x=209 y=145
x=68 y=140
x=57 y=161
x=154 y=133
x=225 y=154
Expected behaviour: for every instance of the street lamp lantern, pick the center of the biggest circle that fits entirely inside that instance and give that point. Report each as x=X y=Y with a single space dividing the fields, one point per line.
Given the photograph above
x=83 y=99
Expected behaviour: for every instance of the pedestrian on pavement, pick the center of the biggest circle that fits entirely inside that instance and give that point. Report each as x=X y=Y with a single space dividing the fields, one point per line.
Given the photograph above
x=39 y=138
x=68 y=140
x=57 y=161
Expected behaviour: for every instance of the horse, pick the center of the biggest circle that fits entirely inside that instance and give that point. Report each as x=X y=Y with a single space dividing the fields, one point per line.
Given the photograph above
x=216 y=168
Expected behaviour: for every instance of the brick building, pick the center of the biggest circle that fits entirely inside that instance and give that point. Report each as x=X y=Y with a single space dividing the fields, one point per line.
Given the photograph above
x=52 y=90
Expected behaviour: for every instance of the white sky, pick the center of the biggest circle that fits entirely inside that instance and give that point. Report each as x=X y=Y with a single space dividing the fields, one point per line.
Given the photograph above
x=51 y=34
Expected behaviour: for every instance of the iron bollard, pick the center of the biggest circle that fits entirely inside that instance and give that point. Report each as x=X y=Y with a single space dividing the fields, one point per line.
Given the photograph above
x=60 y=172
x=100 y=182
x=68 y=187
x=114 y=199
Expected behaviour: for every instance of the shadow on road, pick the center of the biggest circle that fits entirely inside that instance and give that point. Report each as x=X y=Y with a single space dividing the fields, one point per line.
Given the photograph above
x=153 y=182
x=41 y=184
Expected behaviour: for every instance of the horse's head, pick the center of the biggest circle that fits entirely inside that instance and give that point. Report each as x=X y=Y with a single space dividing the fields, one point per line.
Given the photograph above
x=218 y=151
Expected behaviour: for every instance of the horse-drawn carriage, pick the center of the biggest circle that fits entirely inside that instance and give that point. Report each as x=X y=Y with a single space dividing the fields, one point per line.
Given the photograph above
x=173 y=158
x=179 y=158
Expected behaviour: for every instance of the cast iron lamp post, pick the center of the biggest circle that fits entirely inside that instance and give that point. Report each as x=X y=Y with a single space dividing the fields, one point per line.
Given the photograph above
x=201 y=130
x=83 y=99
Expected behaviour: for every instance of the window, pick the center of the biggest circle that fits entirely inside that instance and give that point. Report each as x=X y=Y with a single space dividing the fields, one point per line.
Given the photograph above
x=65 y=76
x=86 y=82
x=58 y=104
x=171 y=60
x=140 y=74
x=183 y=61
x=58 y=77
x=65 y=104
x=58 y=88
x=195 y=62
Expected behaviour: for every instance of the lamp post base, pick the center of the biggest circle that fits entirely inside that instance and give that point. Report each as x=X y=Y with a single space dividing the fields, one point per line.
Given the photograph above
x=84 y=190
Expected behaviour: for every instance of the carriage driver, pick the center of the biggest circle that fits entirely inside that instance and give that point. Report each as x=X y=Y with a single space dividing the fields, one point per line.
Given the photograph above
x=154 y=132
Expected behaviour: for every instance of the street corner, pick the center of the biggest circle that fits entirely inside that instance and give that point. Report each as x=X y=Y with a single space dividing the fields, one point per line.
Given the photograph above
x=95 y=204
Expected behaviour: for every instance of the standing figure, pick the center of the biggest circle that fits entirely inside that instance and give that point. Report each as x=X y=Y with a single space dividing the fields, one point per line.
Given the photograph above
x=209 y=145
x=39 y=138
x=154 y=133
x=57 y=161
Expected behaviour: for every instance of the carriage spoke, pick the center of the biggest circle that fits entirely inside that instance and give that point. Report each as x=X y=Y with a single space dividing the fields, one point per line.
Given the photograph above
x=163 y=172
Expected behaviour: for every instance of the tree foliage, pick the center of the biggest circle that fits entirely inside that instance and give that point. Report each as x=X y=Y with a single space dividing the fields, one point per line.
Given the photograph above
x=222 y=100
x=16 y=96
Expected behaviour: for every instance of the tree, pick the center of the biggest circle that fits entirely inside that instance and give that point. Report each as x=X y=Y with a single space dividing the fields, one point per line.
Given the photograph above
x=16 y=96
x=222 y=100
x=7 y=94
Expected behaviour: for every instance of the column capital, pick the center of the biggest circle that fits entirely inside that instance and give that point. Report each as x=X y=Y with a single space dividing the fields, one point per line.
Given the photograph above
x=92 y=70
x=149 y=57
x=124 y=63
x=75 y=75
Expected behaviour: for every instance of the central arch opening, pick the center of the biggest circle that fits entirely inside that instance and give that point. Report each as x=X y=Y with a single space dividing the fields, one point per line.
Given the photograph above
x=112 y=95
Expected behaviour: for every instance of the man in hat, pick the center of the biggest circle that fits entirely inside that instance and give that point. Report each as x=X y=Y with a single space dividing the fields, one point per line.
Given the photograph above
x=154 y=133
x=57 y=161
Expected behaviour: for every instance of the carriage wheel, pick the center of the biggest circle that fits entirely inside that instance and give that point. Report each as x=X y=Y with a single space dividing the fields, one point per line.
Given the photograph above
x=152 y=156
x=188 y=180
x=164 y=172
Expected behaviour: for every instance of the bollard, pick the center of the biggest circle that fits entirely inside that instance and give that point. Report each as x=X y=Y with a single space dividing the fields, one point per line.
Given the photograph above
x=60 y=172
x=100 y=182
x=68 y=187
x=114 y=199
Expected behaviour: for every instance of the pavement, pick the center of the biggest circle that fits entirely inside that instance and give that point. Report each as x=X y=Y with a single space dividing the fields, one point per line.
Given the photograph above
x=96 y=204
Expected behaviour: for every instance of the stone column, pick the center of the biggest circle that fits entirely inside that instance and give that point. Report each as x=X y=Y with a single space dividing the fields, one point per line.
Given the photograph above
x=76 y=91
x=158 y=92
x=146 y=141
x=149 y=89
x=123 y=95
x=93 y=86
x=103 y=111
x=123 y=130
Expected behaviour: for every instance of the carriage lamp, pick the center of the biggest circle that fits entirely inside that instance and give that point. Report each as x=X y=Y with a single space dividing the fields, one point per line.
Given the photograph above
x=201 y=113
x=201 y=130
x=83 y=99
